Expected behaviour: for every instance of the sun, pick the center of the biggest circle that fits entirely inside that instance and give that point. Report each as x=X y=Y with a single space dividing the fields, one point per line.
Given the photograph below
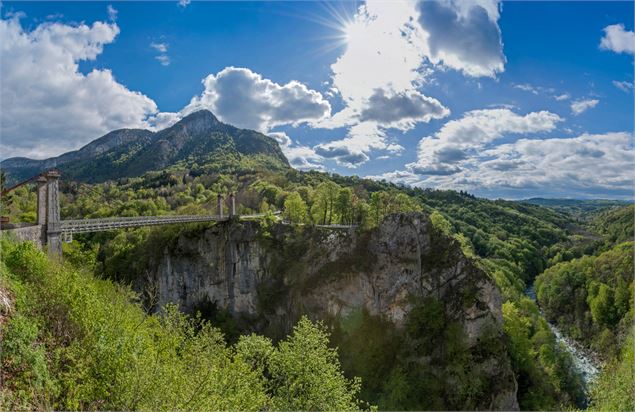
x=342 y=22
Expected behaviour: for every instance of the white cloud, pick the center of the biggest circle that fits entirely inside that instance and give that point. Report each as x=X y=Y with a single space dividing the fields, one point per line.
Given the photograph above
x=160 y=47
x=299 y=156
x=624 y=86
x=580 y=106
x=49 y=106
x=162 y=120
x=527 y=88
x=540 y=90
x=163 y=57
x=381 y=53
x=457 y=141
x=281 y=137
x=397 y=176
x=245 y=99
x=402 y=110
x=112 y=13
x=378 y=77
x=184 y=3
x=617 y=39
x=463 y=35
x=584 y=166
x=355 y=148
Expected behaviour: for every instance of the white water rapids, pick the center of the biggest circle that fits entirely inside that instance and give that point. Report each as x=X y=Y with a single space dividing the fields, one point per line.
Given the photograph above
x=584 y=364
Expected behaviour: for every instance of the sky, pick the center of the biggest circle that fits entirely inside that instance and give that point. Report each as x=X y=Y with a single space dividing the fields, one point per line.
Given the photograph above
x=501 y=99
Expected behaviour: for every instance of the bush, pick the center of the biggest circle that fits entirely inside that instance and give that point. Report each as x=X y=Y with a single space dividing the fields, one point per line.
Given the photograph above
x=76 y=342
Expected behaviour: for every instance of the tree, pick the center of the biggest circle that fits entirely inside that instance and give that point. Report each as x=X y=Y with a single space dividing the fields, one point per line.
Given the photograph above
x=324 y=200
x=304 y=372
x=383 y=203
x=344 y=206
x=295 y=209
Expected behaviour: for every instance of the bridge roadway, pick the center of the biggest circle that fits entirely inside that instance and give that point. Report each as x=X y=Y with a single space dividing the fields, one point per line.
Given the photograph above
x=70 y=227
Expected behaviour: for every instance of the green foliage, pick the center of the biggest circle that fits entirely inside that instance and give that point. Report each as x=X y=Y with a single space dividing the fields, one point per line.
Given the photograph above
x=513 y=242
x=324 y=200
x=20 y=205
x=295 y=208
x=545 y=375
x=76 y=342
x=304 y=372
x=615 y=387
x=616 y=225
x=591 y=297
x=383 y=203
x=426 y=366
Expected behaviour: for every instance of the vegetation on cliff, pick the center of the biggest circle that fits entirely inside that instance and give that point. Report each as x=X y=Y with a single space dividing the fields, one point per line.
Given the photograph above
x=512 y=242
x=591 y=299
x=72 y=341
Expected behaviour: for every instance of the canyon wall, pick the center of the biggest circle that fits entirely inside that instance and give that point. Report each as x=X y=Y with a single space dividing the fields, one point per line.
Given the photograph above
x=267 y=277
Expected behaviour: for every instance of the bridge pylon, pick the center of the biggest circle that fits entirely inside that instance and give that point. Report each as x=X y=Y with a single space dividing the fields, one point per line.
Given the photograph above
x=41 y=200
x=53 y=226
x=219 y=205
x=232 y=205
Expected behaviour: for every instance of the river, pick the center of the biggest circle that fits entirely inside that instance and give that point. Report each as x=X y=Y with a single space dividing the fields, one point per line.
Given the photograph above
x=584 y=362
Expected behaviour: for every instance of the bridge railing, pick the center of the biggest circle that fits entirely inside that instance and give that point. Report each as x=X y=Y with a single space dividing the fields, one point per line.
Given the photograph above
x=103 y=224
x=110 y=223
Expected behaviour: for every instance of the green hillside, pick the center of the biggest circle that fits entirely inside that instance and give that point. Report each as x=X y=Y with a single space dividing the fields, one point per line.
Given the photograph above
x=515 y=243
x=198 y=142
x=71 y=341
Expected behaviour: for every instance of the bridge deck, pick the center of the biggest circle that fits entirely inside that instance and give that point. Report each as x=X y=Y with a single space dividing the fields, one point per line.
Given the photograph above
x=112 y=223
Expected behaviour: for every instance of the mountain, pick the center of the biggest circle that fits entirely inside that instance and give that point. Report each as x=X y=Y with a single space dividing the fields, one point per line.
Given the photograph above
x=576 y=207
x=198 y=141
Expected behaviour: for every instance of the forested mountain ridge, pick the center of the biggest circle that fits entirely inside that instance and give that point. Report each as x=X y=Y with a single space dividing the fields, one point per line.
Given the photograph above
x=590 y=296
x=510 y=242
x=581 y=209
x=197 y=139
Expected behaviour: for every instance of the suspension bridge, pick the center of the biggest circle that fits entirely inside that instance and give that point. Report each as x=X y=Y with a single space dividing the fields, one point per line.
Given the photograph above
x=52 y=230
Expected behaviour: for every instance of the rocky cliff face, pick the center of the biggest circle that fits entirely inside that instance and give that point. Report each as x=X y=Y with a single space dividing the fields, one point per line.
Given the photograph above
x=273 y=278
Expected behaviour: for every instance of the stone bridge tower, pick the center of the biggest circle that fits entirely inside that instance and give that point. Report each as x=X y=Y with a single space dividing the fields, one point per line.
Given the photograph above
x=48 y=212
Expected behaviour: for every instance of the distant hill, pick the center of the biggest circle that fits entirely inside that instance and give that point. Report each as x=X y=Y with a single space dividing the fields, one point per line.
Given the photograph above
x=198 y=141
x=577 y=207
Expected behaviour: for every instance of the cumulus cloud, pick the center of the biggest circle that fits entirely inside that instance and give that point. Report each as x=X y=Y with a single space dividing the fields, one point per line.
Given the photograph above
x=378 y=78
x=381 y=52
x=391 y=50
x=402 y=110
x=563 y=96
x=355 y=148
x=245 y=99
x=301 y=157
x=463 y=35
x=580 y=106
x=49 y=106
x=624 y=86
x=459 y=140
x=588 y=165
x=184 y=3
x=618 y=39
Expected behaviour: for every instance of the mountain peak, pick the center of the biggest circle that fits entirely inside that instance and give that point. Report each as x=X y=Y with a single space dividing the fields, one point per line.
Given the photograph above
x=200 y=116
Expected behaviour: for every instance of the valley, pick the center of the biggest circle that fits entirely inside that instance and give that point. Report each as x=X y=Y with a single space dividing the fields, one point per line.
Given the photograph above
x=417 y=302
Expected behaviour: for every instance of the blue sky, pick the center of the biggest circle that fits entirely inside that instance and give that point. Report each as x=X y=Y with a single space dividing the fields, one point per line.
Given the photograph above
x=511 y=99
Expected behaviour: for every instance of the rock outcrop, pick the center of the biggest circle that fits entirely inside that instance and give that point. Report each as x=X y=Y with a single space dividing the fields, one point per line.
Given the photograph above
x=273 y=277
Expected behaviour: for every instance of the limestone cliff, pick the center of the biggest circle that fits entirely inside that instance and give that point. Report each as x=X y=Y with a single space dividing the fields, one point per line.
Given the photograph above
x=269 y=278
